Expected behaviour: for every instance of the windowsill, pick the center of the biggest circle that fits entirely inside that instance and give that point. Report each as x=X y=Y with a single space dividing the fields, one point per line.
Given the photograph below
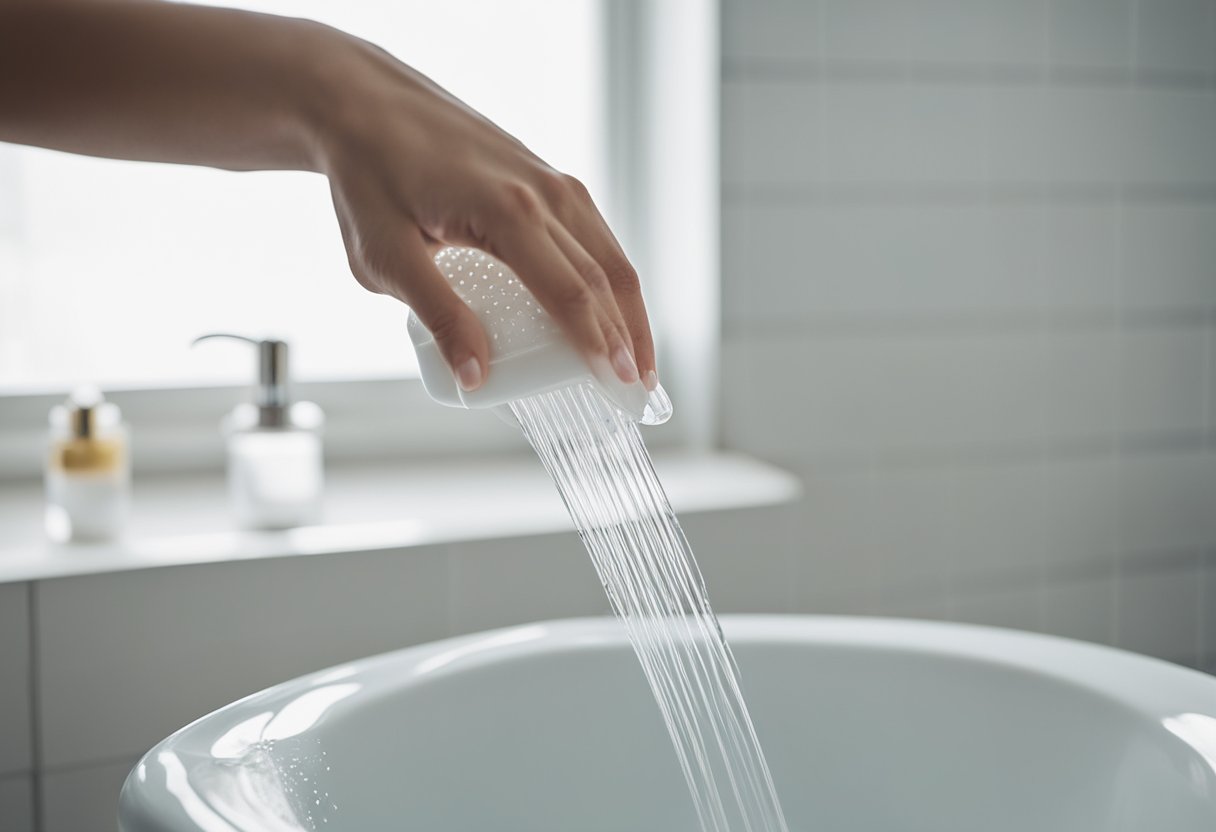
x=184 y=520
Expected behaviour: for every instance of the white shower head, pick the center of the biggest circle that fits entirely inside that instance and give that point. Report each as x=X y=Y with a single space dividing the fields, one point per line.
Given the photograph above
x=529 y=354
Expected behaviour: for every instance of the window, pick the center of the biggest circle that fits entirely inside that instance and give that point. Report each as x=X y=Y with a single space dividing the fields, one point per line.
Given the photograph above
x=108 y=269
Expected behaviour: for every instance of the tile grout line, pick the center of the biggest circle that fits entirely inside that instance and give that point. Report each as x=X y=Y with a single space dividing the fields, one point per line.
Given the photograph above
x=35 y=708
x=865 y=71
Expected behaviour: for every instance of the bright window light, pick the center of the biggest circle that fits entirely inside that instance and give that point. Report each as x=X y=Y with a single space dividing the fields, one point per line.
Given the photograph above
x=108 y=269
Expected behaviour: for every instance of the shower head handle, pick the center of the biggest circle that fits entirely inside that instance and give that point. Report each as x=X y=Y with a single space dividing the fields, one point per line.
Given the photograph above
x=529 y=354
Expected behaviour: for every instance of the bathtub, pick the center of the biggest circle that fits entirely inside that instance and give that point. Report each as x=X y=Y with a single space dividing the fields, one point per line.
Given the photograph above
x=870 y=725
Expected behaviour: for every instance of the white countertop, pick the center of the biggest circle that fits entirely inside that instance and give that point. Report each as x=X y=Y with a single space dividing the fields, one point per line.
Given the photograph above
x=184 y=519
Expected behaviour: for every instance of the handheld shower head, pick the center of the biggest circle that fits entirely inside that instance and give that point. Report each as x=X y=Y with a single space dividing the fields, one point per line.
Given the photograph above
x=529 y=354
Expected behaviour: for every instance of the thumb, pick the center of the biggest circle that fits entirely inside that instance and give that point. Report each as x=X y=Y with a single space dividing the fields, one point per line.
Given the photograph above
x=457 y=331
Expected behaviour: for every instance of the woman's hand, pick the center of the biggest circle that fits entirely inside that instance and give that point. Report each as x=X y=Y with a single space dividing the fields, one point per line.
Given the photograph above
x=412 y=168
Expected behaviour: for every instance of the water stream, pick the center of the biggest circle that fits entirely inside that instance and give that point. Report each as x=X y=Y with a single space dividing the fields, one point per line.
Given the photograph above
x=605 y=476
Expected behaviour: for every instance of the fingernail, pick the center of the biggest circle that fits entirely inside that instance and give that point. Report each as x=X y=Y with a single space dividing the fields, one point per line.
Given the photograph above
x=623 y=363
x=469 y=374
x=650 y=380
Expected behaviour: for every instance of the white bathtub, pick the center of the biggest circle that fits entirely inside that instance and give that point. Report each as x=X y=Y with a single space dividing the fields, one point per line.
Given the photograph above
x=869 y=726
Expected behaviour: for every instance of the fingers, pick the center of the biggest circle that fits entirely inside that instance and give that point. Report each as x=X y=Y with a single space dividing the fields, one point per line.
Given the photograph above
x=404 y=269
x=565 y=280
x=588 y=227
x=620 y=350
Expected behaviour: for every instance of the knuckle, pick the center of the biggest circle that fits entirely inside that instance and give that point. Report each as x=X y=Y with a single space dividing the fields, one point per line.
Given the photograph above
x=595 y=277
x=444 y=325
x=552 y=186
x=574 y=186
x=575 y=299
x=624 y=277
x=521 y=201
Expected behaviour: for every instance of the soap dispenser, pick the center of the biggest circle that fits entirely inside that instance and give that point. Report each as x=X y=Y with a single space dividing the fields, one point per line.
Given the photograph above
x=275 y=471
x=88 y=469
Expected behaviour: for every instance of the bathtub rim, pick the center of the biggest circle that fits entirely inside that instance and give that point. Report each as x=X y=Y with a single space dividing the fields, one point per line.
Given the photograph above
x=1150 y=689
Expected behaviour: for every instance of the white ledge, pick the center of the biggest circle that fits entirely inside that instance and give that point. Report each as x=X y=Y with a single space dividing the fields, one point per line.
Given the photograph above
x=185 y=520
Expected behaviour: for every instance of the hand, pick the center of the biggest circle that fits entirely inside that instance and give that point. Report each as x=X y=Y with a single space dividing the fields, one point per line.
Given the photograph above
x=412 y=169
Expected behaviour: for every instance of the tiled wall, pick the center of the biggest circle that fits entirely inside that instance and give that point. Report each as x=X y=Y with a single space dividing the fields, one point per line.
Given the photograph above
x=969 y=259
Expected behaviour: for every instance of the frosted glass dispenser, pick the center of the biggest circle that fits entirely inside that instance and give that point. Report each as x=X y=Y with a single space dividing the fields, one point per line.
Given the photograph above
x=275 y=470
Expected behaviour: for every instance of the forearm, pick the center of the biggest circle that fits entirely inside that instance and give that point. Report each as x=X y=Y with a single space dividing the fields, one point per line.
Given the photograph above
x=141 y=79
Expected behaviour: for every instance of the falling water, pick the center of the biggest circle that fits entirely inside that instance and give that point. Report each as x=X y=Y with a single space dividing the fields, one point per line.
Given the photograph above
x=605 y=476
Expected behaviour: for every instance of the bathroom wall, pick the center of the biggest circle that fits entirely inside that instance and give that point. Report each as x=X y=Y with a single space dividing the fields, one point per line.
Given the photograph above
x=969 y=294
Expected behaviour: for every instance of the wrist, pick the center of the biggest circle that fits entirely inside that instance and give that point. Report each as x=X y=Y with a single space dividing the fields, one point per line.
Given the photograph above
x=340 y=96
x=320 y=86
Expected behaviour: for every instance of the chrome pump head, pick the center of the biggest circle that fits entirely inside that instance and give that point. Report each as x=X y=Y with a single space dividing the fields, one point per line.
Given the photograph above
x=529 y=354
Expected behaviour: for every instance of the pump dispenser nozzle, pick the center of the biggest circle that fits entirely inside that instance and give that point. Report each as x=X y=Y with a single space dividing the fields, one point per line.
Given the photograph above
x=272 y=396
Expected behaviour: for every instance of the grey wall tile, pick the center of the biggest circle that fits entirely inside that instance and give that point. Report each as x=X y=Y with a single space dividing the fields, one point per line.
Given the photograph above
x=1021 y=139
x=768 y=30
x=792 y=134
x=1081 y=608
x=1018 y=32
x=1081 y=524
x=497 y=583
x=772 y=133
x=836 y=563
x=1091 y=33
x=1163 y=385
x=794 y=264
x=786 y=398
x=747 y=556
x=1207 y=609
x=17 y=803
x=1088 y=134
x=945 y=133
x=887 y=133
x=1018 y=608
x=942 y=31
x=913 y=536
x=944 y=390
x=15 y=713
x=931 y=608
x=792 y=397
x=1165 y=501
x=126 y=658
x=798 y=263
x=999 y=521
x=1176 y=36
x=1168 y=136
x=1080 y=258
x=83 y=798
x=736 y=139
x=1169 y=255
x=1082 y=376
x=1158 y=609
